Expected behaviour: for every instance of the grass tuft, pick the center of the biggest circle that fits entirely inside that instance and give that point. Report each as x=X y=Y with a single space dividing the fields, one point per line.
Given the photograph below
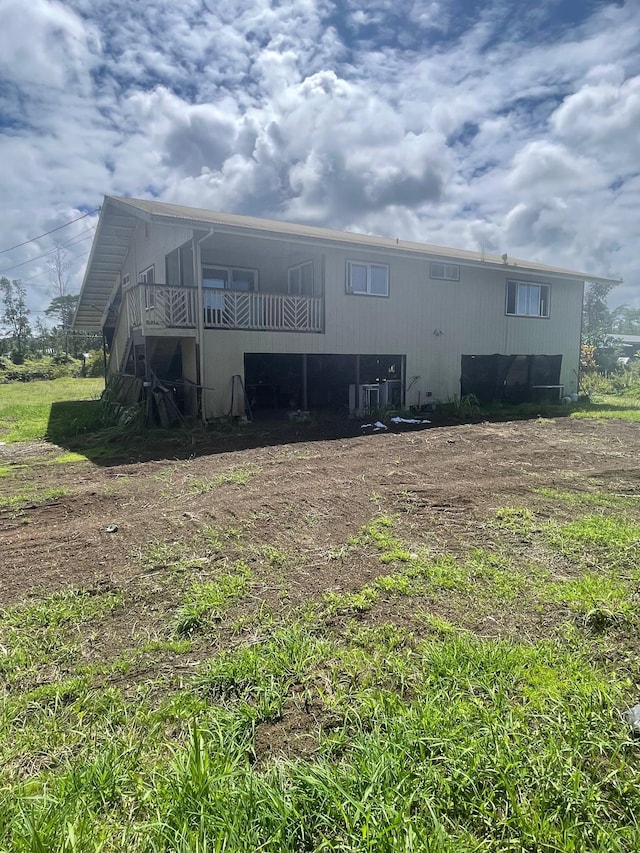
x=206 y=603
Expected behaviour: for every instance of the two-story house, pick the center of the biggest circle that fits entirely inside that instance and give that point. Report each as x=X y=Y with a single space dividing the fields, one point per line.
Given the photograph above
x=294 y=316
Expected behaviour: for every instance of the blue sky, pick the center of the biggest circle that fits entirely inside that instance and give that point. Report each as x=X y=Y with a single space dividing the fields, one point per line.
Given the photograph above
x=504 y=125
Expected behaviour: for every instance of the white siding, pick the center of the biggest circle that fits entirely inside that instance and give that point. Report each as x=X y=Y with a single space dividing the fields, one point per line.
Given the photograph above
x=470 y=314
x=150 y=244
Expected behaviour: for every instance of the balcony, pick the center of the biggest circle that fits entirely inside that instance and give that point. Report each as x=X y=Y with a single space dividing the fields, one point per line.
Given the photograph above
x=152 y=307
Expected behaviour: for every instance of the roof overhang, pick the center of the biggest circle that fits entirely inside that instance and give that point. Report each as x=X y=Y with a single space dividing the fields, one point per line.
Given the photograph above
x=108 y=253
x=119 y=217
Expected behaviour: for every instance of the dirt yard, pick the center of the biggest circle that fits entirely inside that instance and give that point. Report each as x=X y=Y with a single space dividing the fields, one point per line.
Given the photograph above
x=297 y=517
x=83 y=525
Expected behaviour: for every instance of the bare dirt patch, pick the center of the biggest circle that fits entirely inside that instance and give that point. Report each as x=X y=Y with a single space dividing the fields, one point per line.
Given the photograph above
x=303 y=499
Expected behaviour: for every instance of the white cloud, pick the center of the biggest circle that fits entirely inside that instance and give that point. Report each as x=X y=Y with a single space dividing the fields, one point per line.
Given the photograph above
x=603 y=119
x=544 y=168
x=401 y=117
x=45 y=43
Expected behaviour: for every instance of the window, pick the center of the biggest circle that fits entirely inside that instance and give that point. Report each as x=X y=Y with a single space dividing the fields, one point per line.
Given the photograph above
x=215 y=280
x=147 y=277
x=126 y=280
x=367 y=279
x=525 y=299
x=228 y=278
x=301 y=279
x=179 y=266
x=448 y=272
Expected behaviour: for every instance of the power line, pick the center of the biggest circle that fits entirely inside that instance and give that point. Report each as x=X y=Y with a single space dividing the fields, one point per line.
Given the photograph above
x=46 y=233
x=70 y=242
x=42 y=274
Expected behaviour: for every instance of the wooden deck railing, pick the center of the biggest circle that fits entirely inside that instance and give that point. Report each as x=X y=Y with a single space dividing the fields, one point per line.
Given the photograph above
x=151 y=307
x=274 y=312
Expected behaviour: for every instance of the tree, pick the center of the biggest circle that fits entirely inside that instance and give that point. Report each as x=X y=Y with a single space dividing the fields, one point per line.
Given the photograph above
x=625 y=320
x=596 y=318
x=42 y=338
x=15 y=315
x=58 y=269
x=64 y=309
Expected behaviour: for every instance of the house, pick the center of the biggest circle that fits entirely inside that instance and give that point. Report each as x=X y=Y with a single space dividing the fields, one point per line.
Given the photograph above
x=233 y=309
x=627 y=345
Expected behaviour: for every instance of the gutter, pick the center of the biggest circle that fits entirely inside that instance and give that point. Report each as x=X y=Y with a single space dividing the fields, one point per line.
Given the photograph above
x=197 y=273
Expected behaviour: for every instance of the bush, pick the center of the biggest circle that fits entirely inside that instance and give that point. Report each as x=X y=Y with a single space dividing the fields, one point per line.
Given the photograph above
x=39 y=368
x=624 y=382
x=94 y=364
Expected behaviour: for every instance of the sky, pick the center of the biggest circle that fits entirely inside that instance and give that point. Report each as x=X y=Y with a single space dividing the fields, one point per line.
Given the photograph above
x=500 y=125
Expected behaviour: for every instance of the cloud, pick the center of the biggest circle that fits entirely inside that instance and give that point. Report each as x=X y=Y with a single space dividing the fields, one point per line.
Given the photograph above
x=544 y=168
x=44 y=43
x=425 y=120
x=603 y=119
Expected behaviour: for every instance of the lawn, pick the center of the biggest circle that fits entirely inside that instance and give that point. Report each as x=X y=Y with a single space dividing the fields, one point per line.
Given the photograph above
x=25 y=407
x=419 y=641
x=610 y=406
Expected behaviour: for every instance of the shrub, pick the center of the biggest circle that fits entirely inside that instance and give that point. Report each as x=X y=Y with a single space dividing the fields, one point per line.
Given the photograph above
x=40 y=368
x=94 y=364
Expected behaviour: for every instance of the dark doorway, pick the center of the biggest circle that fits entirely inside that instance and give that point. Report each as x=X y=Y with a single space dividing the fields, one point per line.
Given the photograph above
x=510 y=378
x=319 y=381
x=274 y=381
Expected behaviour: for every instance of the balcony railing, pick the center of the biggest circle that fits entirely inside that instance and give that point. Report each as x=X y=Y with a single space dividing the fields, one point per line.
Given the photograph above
x=152 y=307
x=275 y=312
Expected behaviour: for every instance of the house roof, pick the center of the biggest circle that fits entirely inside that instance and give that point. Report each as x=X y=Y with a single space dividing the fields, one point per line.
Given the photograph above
x=119 y=217
x=630 y=340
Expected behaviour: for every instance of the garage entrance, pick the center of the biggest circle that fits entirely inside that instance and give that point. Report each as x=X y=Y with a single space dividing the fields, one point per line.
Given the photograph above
x=329 y=381
x=511 y=378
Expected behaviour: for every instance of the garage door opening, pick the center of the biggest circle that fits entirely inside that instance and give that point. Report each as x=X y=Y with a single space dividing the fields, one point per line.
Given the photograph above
x=511 y=378
x=327 y=382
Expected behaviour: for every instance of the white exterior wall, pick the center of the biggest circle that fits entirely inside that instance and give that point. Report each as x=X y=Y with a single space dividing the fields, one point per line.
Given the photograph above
x=149 y=246
x=270 y=259
x=470 y=313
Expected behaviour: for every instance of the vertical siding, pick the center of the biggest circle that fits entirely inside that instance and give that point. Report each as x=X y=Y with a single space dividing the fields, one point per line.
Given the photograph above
x=150 y=244
x=470 y=314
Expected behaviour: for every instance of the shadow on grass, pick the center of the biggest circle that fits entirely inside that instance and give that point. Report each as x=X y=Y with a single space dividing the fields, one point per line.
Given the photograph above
x=72 y=423
x=615 y=411
x=76 y=426
x=610 y=407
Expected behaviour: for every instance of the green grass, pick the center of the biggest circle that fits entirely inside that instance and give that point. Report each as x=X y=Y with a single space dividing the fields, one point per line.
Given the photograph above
x=600 y=541
x=609 y=406
x=33 y=496
x=466 y=698
x=590 y=498
x=605 y=406
x=206 y=603
x=453 y=744
x=239 y=477
x=48 y=633
x=25 y=407
x=65 y=458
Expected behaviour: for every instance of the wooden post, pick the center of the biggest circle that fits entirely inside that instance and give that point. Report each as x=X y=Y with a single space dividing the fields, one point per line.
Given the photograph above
x=305 y=405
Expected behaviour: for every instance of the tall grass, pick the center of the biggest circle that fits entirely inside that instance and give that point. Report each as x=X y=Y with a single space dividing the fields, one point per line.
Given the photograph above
x=496 y=746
